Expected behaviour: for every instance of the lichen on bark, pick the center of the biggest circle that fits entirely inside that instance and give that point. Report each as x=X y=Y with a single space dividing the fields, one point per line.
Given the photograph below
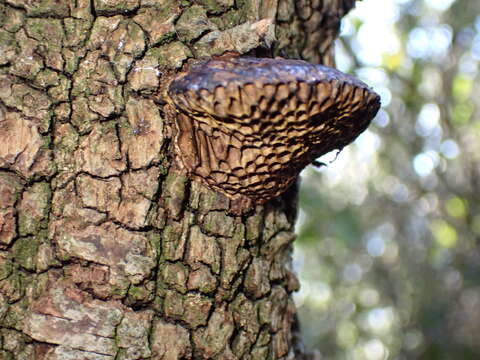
x=107 y=251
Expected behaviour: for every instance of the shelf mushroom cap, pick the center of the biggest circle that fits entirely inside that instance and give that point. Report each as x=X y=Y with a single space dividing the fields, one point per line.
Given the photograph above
x=248 y=126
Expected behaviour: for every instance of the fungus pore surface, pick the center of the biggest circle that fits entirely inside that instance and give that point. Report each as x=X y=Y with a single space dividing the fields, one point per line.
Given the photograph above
x=248 y=126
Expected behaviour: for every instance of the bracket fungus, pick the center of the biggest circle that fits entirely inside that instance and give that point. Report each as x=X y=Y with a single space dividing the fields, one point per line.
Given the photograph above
x=248 y=126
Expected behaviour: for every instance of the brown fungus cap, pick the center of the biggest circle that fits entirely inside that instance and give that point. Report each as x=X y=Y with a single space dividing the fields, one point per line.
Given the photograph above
x=248 y=126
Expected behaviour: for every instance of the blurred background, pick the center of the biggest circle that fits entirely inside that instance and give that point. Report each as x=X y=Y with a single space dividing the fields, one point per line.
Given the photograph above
x=388 y=254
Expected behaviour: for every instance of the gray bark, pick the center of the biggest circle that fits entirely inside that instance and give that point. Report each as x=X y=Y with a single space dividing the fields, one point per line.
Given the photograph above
x=106 y=251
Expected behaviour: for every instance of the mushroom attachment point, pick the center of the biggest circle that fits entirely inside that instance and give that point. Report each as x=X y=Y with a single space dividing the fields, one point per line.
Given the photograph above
x=248 y=126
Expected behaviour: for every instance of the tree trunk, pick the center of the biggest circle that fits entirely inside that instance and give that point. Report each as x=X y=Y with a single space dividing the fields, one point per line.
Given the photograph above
x=106 y=251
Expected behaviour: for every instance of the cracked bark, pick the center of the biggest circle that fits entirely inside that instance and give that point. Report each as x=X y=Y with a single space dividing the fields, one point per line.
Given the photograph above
x=106 y=252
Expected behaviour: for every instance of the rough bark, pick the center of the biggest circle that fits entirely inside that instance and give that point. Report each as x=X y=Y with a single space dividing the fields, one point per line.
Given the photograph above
x=106 y=251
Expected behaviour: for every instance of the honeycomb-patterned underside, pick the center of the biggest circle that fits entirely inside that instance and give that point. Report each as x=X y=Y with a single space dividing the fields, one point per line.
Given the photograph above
x=248 y=126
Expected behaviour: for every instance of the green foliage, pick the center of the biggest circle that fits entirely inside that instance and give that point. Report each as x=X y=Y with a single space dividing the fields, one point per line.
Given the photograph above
x=388 y=251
